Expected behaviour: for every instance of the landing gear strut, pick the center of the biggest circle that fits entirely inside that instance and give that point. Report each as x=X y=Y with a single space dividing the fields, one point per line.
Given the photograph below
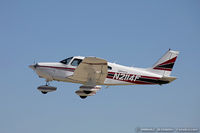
x=47 y=84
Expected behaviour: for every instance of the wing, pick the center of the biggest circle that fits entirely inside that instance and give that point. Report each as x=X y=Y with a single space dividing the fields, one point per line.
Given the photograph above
x=91 y=71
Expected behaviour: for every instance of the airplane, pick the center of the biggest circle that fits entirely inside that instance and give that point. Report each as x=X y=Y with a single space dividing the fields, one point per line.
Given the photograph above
x=92 y=72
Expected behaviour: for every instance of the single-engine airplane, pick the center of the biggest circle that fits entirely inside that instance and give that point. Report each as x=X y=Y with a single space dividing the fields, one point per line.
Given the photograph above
x=92 y=72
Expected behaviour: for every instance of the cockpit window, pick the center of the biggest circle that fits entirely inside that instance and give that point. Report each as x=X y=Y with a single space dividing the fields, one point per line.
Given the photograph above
x=76 y=62
x=109 y=68
x=66 y=61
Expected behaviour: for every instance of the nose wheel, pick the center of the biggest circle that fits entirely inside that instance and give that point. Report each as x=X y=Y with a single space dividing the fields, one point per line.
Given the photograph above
x=46 y=88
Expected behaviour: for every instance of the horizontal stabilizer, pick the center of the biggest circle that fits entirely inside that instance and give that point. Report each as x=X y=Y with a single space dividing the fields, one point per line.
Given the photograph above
x=169 y=79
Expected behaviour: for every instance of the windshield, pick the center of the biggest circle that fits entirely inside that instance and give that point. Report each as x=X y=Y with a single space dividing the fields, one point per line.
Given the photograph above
x=66 y=61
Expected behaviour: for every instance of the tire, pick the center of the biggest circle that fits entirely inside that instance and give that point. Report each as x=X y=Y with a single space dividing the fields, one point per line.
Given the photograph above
x=83 y=97
x=44 y=92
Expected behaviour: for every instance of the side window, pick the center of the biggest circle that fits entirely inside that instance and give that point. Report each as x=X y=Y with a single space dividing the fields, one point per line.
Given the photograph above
x=76 y=62
x=109 y=68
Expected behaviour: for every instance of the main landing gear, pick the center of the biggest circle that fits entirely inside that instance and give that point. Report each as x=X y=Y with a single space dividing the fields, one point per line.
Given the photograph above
x=46 y=88
x=43 y=92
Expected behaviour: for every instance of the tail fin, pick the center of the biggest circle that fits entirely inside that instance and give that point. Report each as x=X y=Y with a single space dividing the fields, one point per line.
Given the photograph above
x=165 y=64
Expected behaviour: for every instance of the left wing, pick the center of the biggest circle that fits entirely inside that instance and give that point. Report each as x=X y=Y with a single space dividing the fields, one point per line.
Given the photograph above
x=91 y=71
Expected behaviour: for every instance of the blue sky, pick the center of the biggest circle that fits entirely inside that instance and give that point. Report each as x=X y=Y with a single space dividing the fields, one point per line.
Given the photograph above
x=133 y=33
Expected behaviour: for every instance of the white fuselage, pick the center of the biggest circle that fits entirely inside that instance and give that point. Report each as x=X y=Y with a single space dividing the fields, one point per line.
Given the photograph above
x=93 y=71
x=117 y=74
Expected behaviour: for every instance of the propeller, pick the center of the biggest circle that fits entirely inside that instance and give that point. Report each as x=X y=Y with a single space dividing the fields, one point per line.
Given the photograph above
x=36 y=65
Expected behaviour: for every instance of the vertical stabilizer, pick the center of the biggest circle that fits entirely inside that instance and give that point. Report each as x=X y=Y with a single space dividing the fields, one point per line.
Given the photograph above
x=165 y=64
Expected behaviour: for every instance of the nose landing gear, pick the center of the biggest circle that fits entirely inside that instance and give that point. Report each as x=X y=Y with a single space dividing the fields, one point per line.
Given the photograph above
x=46 y=88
